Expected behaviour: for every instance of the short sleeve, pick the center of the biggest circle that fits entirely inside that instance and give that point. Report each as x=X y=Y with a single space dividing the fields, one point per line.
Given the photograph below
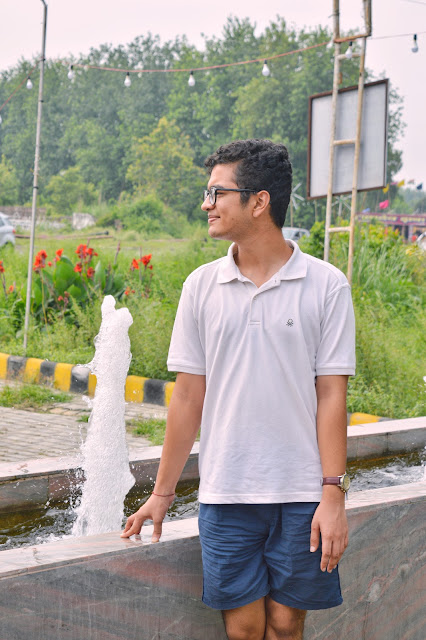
x=336 y=352
x=186 y=353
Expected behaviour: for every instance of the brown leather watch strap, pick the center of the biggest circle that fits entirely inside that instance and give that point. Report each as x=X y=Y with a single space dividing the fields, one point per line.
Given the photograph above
x=331 y=480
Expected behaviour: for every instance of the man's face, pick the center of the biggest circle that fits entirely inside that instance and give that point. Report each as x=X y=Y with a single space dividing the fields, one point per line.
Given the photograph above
x=228 y=219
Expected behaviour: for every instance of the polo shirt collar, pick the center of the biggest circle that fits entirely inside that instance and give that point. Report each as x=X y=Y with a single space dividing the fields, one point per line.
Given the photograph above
x=295 y=267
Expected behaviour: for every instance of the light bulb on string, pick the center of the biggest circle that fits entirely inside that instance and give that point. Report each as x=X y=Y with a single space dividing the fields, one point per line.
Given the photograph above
x=1 y=119
x=29 y=84
x=71 y=73
x=265 y=70
x=191 y=79
x=415 y=46
x=349 y=51
x=127 y=81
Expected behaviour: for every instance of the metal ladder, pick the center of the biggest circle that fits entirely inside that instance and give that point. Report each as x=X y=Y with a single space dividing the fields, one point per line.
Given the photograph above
x=338 y=56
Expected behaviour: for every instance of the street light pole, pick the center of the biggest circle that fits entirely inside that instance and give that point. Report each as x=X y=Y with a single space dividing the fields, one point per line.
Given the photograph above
x=35 y=182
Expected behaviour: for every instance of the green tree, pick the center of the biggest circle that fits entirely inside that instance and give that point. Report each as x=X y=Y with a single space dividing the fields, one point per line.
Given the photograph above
x=9 y=187
x=163 y=164
x=68 y=190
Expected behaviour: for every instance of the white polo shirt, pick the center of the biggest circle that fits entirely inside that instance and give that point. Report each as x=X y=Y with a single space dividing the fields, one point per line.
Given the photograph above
x=261 y=350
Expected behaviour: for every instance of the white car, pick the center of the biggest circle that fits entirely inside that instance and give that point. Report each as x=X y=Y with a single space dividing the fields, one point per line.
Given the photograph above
x=295 y=233
x=7 y=232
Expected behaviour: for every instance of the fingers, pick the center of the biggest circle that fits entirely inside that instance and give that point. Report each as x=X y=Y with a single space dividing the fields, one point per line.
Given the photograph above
x=332 y=551
x=133 y=526
x=315 y=536
x=158 y=528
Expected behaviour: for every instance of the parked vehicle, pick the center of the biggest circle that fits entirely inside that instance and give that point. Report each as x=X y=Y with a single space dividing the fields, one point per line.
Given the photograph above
x=7 y=232
x=295 y=233
x=421 y=241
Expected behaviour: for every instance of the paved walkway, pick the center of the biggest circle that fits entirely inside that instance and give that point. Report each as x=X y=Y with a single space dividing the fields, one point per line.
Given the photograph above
x=58 y=431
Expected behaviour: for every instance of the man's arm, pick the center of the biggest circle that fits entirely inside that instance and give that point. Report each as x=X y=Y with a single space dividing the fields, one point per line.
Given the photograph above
x=330 y=517
x=183 y=422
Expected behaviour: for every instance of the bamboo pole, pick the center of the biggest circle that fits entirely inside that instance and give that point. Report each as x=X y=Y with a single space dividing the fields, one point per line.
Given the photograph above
x=336 y=35
x=356 y=160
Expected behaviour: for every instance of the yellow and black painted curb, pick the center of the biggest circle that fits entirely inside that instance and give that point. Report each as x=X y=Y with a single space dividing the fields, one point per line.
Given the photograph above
x=363 y=418
x=78 y=379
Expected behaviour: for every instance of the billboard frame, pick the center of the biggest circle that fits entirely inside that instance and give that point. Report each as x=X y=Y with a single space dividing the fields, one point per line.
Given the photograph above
x=384 y=81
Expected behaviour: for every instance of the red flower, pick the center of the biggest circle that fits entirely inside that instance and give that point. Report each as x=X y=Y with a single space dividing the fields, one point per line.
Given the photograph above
x=134 y=264
x=59 y=252
x=49 y=264
x=90 y=272
x=91 y=252
x=81 y=250
x=1 y=266
x=60 y=299
x=11 y=288
x=127 y=291
x=39 y=262
x=146 y=259
x=150 y=267
x=78 y=267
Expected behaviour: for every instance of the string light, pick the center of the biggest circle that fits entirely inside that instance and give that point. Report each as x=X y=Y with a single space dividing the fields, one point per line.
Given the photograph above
x=29 y=84
x=127 y=81
x=1 y=119
x=349 y=51
x=265 y=71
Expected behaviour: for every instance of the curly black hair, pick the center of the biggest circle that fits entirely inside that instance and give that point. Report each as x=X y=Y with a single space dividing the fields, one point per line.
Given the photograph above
x=262 y=165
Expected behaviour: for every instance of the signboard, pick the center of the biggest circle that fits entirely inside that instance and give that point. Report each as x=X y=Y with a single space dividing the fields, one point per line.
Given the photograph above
x=417 y=219
x=372 y=162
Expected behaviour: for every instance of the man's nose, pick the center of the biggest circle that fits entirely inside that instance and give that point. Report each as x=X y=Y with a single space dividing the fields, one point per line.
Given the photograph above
x=207 y=205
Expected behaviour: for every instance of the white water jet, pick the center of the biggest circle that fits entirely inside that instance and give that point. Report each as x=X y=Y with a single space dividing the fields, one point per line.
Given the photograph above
x=105 y=454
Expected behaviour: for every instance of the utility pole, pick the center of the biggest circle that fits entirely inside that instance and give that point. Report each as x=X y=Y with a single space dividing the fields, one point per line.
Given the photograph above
x=35 y=182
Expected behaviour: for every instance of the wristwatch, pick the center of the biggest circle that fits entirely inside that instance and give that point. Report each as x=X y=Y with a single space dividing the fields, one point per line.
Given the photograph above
x=343 y=482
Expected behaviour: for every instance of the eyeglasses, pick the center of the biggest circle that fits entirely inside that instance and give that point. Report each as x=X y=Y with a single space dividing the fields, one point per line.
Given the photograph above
x=212 y=192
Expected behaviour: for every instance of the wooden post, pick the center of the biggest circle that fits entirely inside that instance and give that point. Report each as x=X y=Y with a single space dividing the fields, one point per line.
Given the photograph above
x=336 y=34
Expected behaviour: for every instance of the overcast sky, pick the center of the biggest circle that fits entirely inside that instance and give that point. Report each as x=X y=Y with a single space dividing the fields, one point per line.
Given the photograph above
x=76 y=25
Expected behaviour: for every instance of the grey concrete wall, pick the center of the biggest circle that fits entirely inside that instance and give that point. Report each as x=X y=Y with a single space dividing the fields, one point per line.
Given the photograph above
x=107 y=588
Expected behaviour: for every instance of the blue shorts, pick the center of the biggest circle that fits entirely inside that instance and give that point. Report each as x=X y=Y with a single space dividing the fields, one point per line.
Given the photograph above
x=253 y=550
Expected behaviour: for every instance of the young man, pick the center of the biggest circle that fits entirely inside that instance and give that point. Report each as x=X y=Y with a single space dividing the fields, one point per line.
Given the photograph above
x=263 y=344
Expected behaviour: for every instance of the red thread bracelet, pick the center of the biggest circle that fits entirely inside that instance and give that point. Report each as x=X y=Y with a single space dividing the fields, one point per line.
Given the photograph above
x=160 y=495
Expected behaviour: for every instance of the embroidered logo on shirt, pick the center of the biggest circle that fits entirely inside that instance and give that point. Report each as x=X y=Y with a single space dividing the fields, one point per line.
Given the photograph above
x=290 y=322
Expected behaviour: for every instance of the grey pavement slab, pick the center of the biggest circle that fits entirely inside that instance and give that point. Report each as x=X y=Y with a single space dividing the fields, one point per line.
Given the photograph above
x=59 y=431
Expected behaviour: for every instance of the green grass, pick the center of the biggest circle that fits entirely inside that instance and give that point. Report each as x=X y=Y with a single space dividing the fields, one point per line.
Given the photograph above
x=31 y=396
x=388 y=292
x=152 y=429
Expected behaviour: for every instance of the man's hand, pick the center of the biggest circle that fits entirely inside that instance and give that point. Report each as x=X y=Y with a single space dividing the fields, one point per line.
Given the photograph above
x=330 y=521
x=155 y=509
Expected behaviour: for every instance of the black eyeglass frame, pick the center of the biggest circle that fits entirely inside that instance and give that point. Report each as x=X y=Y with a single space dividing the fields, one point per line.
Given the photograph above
x=212 y=193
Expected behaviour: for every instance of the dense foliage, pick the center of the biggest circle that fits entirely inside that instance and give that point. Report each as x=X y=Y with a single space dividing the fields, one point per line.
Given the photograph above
x=104 y=143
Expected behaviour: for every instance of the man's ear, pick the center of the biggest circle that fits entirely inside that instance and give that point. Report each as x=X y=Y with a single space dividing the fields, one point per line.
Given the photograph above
x=262 y=202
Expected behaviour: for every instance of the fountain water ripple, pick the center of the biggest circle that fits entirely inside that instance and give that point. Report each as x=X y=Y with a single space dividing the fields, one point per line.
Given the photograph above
x=105 y=454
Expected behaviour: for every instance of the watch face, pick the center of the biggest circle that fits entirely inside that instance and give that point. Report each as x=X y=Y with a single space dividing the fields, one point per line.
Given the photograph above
x=346 y=482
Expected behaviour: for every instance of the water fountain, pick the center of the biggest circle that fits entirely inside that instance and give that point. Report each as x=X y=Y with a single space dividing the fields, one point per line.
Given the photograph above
x=105 y=455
